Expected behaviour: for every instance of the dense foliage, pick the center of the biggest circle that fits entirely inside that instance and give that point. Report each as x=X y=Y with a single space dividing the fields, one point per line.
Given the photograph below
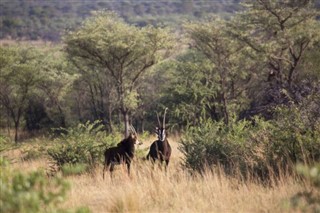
x=116 y=56
x=34 y=81
x=309 y=199
x=31 y=192
x=81 y=148
x=256 y=147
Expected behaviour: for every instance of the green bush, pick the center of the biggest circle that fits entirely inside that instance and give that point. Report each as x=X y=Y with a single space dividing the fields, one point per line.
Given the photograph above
x=311 y=174
x=5 y=143
x=294 y=137
x=214 y=143
x=252 y=147
x=31 y=192
x=83 y=144
x=309 y=199
x=33 y=153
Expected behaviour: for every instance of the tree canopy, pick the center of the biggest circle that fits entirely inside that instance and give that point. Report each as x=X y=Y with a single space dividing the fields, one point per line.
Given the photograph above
x=107 y=69
x=121 y=51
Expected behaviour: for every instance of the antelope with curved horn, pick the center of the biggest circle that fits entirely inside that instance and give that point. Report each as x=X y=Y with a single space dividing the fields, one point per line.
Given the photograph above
x=160 y=149
x=123 y=153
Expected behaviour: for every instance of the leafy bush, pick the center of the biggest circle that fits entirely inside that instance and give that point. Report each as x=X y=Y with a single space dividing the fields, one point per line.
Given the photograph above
x=309 y=199
x=253 y=147
x=83 y=144
x=5 y=143
x=33 y=153
x=214 y=143
x=311 y=174
x=294 y=137
x=31 y=192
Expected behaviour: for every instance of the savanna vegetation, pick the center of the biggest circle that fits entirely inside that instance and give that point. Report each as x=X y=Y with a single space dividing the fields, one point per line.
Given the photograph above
x=242 y=93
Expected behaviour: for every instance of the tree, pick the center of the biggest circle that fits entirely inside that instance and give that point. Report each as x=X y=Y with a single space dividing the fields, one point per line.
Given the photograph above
x=225 y=74
x=57 y=77
x=121 y=51
x=94 y=94
x=279 y=35
x=192 y=90
x=20 y=68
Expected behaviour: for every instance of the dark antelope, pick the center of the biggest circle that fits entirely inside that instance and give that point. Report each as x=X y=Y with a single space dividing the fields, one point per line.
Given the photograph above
x=123 y=153
x=160 y=149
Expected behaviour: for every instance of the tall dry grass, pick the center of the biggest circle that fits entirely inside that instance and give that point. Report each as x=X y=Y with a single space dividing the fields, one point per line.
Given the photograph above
x=154 y=190
x=149 y=190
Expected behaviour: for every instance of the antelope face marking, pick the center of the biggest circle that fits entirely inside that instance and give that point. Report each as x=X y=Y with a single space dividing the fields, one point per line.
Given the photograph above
x=138 y=142
x=161 y=129
x=161 y=133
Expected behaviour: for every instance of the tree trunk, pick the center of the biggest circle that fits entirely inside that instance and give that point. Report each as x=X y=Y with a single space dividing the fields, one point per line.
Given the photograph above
x=93 y=103
x=120 y=114
x=62 y=117
x=225 y=109
x=126 y=122
x=8 y=125
x=16 y=128
x=78 y=105
x=16 y=121
x=142 y=124
x=110 y=120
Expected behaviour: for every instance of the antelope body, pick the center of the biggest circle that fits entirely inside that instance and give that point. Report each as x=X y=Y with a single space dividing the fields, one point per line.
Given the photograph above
x=123 y=153
x=160 y=149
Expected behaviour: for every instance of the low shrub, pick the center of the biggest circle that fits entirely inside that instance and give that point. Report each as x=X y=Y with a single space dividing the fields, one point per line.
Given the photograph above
x=214 y=143
x=255 y=147
x=31 y=192
x=33 y=153
x=5 y=143
x=83 y=144
x=308 y=200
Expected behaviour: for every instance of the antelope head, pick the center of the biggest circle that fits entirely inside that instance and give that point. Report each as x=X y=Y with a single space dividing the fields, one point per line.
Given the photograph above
x=134 y=135
x=161 y=129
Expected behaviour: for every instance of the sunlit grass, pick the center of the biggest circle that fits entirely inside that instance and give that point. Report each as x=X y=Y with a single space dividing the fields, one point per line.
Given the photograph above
x=151 y=189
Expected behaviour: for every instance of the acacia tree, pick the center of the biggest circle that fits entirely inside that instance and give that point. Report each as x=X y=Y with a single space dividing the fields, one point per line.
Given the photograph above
x=57 y=78
x=19 y=68
x=279 y=35
x=226 y=74
x=121 y=51
x=95 y=95
x=191 y=90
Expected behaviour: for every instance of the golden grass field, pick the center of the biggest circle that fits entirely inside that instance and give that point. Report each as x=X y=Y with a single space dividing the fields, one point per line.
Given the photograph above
x=153 y=190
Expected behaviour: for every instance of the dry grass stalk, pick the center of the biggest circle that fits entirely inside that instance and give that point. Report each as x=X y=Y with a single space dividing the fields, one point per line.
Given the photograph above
x=153 y=190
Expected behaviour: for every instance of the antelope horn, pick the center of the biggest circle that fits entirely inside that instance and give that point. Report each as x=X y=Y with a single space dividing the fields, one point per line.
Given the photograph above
x=133 y=129
x=158 y=120
x=164 y=118
x=130 y=128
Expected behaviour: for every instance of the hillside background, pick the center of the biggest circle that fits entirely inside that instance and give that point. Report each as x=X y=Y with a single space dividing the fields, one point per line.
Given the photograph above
x=45 y=19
